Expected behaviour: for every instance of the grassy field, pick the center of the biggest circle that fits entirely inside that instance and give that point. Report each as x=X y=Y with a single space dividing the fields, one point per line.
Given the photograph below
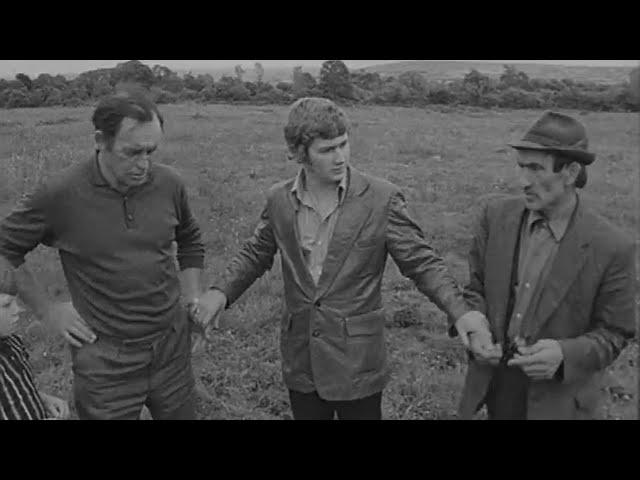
x=444 y=159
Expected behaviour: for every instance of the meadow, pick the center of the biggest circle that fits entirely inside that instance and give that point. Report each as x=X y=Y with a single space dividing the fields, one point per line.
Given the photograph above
x=445 y=159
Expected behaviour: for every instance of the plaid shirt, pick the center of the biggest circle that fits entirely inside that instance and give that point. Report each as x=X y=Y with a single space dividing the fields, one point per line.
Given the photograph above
x=19 y=398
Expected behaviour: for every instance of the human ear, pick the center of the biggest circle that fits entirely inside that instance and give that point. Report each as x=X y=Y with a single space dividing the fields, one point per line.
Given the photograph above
x=573 y=170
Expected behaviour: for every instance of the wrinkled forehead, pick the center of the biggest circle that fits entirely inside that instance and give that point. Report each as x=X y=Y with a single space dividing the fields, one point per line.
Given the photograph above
x=331 y=142
x=530 y=157
x=133 y=131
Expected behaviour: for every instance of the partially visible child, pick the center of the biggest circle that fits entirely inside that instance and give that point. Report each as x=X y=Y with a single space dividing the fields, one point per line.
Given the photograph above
x=19 y=398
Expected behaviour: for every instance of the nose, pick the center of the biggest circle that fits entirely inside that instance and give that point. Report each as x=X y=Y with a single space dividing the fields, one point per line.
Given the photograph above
x=525 y=180
x=143 y=162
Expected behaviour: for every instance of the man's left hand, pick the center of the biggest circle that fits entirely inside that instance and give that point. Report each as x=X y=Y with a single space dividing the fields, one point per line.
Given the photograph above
x=540 y=361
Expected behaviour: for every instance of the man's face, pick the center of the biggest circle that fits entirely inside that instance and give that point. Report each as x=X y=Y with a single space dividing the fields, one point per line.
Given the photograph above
x=543 y=188
x=327 y=160
x=129 y=157
x=9 y=314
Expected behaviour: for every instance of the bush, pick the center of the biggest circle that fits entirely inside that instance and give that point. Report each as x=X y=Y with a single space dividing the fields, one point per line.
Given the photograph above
x=275 y=95
x=518 y=98
x=163 y=97
x=285 y=86
x=489 y=100
x=17 y=99
x=393 y=92
x=335 y=80
x=54 y=97
x=190 y=95
x=512 y=78
x=441 y=95
x=36 y=98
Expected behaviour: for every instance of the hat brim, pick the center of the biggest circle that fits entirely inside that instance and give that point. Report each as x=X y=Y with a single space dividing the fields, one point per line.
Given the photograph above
x=581 y=156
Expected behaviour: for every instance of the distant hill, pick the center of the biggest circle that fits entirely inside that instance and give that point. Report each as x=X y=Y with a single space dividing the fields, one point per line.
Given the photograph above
x=442 y=70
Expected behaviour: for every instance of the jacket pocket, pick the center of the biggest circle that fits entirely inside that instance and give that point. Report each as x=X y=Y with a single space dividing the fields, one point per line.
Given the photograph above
x=365 y=350
x=371 y=323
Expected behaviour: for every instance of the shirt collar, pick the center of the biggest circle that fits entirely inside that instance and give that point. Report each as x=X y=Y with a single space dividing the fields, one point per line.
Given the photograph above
x=300 y=186
x=558 y=226
x=95 y=175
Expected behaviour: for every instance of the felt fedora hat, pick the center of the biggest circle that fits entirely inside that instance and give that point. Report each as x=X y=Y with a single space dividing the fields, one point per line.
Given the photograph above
x=555 y=132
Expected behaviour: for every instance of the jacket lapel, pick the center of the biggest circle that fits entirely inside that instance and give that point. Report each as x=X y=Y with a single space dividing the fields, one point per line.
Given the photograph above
x=290 y=238
x=353 y=215
x=499 y=261
x=567 y=264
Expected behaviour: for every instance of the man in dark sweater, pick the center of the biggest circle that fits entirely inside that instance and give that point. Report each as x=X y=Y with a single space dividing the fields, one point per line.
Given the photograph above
x=114 y=220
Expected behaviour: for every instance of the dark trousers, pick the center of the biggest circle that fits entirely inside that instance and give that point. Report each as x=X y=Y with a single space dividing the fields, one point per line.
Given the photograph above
x=309 y=406
x=113 y=381
x=507 y=394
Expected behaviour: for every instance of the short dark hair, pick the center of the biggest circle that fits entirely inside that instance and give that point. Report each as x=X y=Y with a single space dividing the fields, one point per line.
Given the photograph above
x=131 y=102
x=561 y=160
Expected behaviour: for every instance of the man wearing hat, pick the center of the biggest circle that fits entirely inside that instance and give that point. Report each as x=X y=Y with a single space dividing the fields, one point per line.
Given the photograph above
x=556 y=282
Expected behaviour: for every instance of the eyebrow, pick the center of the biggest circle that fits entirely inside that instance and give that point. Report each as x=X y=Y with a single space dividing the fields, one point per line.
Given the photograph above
x=140 y=149
x=331 y=147
x=529 y=164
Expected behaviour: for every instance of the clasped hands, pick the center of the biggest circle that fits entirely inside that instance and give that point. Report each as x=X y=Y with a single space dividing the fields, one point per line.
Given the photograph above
x=539 y=361
x=205 y=313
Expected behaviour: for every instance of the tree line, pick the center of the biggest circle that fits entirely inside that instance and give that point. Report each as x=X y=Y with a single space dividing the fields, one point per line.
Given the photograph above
x=513 y=89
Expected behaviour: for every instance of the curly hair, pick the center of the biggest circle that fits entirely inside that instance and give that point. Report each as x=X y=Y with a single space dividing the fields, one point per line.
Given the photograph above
x=312 y=118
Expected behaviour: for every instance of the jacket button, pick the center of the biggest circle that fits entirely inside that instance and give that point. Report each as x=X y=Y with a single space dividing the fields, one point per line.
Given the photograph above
x=318 y=304
x=316 y=333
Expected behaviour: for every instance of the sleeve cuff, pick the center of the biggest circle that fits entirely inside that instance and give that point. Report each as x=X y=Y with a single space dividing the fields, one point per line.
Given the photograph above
x=455 y=313
x=572 y=351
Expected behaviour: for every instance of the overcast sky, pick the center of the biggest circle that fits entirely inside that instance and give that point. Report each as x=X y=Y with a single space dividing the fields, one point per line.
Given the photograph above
x=9 y=68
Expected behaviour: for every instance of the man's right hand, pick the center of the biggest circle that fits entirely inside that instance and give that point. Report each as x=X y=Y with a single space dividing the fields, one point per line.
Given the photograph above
x=474 y=323
x=66 y=321
x=484 y=351
x=207 y=314
x=473 y=329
